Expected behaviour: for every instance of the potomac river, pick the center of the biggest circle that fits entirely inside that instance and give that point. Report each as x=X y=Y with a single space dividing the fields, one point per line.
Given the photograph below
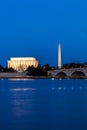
x=43 y=104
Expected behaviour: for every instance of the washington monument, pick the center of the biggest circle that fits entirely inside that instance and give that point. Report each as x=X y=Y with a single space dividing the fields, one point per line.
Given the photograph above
x=59 y=56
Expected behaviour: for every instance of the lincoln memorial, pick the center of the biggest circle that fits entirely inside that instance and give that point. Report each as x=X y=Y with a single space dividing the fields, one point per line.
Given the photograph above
x=20 y=64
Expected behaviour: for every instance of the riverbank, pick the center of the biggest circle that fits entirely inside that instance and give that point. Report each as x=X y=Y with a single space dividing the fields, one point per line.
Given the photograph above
x=20 y=76
x=17 y=75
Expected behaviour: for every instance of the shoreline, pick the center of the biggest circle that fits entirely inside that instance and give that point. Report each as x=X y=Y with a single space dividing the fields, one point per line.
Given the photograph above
x=6 y=75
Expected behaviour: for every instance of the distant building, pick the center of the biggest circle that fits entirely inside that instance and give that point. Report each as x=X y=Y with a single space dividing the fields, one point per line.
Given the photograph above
x=59 y=56
x=20 y=64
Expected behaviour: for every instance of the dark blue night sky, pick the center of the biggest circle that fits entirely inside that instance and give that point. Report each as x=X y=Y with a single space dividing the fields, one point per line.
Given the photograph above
x=34 y=28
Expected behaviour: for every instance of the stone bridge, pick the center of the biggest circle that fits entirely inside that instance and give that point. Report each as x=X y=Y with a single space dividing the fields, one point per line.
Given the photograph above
x=65 y=73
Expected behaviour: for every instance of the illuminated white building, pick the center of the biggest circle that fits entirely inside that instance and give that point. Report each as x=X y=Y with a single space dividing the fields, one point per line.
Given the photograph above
x=59 y=56
x=20 y=64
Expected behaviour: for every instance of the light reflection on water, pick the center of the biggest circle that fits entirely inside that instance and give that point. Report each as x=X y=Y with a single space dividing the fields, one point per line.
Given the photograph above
x=21 y=105
x=43 y=104
x=70 y=88
x=21 y=79
x=22 y=101
x=23 y=89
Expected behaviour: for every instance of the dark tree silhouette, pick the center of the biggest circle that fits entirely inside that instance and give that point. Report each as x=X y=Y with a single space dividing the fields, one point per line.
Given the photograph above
x=39 y=71
x=1 y=68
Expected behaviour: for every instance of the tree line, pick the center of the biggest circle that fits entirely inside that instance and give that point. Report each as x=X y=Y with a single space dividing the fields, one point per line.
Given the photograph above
x=6 y=69
x=42 y=70
x=74 y=65
x=31 y=70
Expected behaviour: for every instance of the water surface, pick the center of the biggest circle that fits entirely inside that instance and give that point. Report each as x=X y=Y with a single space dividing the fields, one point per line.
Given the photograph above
x=43 y=104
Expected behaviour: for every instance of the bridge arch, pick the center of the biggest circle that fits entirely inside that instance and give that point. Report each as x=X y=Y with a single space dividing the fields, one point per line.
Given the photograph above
x=78 y=74
x=61 y=75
